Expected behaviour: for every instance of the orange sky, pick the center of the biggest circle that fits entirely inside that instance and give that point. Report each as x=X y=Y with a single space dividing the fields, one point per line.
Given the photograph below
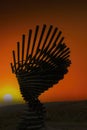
x=70 y=16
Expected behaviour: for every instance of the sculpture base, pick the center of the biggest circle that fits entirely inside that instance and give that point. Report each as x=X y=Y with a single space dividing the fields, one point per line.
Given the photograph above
x=32 y=120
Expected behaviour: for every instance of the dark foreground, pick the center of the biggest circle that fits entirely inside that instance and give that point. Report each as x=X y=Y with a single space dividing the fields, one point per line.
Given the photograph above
x=60 y=116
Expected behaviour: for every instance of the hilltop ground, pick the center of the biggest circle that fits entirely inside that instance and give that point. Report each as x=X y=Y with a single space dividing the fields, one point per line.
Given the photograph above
x=60 y=116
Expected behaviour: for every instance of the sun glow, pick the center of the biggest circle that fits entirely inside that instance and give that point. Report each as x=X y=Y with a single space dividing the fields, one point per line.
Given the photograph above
x=8 y=98
x=10 y=94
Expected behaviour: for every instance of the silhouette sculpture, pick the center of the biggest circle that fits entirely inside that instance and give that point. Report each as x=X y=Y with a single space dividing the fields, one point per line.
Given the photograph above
x=42 y=65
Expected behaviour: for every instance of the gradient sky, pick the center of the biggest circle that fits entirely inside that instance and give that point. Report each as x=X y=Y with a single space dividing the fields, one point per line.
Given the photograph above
x=70 y=16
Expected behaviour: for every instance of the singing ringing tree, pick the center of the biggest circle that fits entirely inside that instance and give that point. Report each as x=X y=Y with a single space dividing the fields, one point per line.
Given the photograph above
x=38 y=65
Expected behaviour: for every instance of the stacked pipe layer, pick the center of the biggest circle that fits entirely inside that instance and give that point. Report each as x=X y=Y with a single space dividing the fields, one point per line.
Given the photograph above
x=39 y=64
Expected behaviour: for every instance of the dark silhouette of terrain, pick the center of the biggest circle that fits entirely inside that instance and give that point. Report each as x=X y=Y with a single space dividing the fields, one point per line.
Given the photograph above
x=60 y=116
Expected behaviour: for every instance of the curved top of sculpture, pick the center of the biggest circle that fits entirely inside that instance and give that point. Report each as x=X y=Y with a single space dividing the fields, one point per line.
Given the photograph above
x=43 y=61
